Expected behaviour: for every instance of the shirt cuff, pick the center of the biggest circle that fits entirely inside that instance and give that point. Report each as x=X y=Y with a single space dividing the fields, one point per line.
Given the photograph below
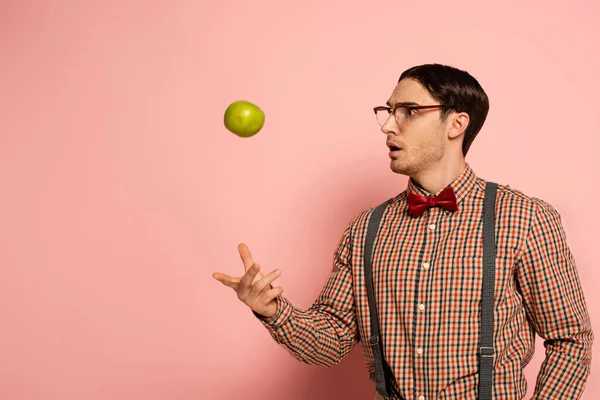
x=284 y=310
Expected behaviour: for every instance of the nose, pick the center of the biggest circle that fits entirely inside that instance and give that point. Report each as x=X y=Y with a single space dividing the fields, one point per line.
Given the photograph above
x=390 y=126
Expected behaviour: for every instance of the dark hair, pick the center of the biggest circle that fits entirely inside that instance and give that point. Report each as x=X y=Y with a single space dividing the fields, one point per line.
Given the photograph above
x=458 y=90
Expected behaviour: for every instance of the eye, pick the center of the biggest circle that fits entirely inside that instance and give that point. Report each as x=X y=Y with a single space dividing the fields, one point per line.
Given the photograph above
x=411 y=111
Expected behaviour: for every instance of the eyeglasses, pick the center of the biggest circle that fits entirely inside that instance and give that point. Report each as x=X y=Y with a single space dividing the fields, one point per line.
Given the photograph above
x=402 y=113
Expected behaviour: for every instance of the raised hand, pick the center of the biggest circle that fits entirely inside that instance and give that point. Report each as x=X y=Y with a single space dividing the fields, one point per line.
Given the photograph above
x=253 y=288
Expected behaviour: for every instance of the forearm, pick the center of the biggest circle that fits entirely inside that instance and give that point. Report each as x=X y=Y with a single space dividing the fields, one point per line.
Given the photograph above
x=565 y=370
x=314 y=336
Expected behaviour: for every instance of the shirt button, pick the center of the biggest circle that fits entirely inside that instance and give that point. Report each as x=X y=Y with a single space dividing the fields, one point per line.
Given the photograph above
x=431 y=227
x=425 y=265
x=419 y=351
x=421 y=397
x=421 y=307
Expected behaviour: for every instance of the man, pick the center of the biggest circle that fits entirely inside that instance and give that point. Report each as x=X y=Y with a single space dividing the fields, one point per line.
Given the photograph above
x=427 y=267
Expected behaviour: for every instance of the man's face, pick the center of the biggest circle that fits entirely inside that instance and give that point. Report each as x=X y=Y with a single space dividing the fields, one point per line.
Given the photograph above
x=422 y=139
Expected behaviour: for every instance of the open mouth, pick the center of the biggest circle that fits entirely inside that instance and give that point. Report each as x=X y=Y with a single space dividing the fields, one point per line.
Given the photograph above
x=394 y=150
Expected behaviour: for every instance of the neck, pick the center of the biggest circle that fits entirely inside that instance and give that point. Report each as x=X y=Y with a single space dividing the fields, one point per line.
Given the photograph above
x=438 y=176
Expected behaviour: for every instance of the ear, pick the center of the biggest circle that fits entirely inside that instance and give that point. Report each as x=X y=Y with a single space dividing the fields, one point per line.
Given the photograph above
x=458 y=123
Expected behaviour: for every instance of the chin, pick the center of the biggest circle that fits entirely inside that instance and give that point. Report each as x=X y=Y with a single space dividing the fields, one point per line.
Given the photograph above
x=398 y=168
x=403 y=168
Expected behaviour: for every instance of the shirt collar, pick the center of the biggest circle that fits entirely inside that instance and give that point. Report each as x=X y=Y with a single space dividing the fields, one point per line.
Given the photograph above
x=462 y=185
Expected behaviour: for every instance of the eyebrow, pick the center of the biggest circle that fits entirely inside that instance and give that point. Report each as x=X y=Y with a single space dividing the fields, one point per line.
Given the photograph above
x=406 y=103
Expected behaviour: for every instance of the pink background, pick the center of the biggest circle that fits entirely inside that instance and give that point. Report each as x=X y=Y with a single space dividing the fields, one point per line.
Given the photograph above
x=122 y=192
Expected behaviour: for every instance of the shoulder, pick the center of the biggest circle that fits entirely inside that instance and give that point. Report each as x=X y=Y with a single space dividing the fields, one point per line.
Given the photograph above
x=516 y=204
x=360 y=220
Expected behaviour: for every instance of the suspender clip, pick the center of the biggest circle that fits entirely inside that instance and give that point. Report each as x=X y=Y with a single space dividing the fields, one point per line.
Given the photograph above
x=487 y=351
x=374 y=340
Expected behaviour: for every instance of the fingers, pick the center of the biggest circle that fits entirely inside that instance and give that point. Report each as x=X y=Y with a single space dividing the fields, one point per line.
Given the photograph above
x=264 y=282
x=269 y=295
x=250 y=290
x=254 y=289
x=246 y=256
x=247 y=259
x=246 y=281
x=249 y=276
x=232 y=282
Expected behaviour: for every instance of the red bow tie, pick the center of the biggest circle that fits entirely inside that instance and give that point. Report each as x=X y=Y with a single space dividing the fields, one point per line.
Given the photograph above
x=446 y=199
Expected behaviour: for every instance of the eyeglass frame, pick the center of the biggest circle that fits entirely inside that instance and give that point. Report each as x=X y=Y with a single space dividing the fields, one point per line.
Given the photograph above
x=408 y=108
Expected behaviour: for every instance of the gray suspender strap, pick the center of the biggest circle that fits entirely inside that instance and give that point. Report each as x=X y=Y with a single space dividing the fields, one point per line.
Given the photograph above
x=486 y=355
x=383 y=373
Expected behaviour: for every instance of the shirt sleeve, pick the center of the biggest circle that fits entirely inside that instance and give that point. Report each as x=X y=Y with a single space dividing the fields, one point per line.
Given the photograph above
x=556 y=308
x=327 y=331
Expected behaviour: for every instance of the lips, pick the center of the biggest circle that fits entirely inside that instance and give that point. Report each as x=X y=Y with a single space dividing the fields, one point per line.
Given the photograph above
x=394 y=149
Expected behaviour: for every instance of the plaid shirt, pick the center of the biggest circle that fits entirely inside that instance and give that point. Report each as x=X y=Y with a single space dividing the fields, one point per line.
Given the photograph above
x=427 y=274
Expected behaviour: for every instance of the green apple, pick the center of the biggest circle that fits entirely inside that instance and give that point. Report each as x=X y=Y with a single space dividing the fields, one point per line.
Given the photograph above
x=244 y=118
